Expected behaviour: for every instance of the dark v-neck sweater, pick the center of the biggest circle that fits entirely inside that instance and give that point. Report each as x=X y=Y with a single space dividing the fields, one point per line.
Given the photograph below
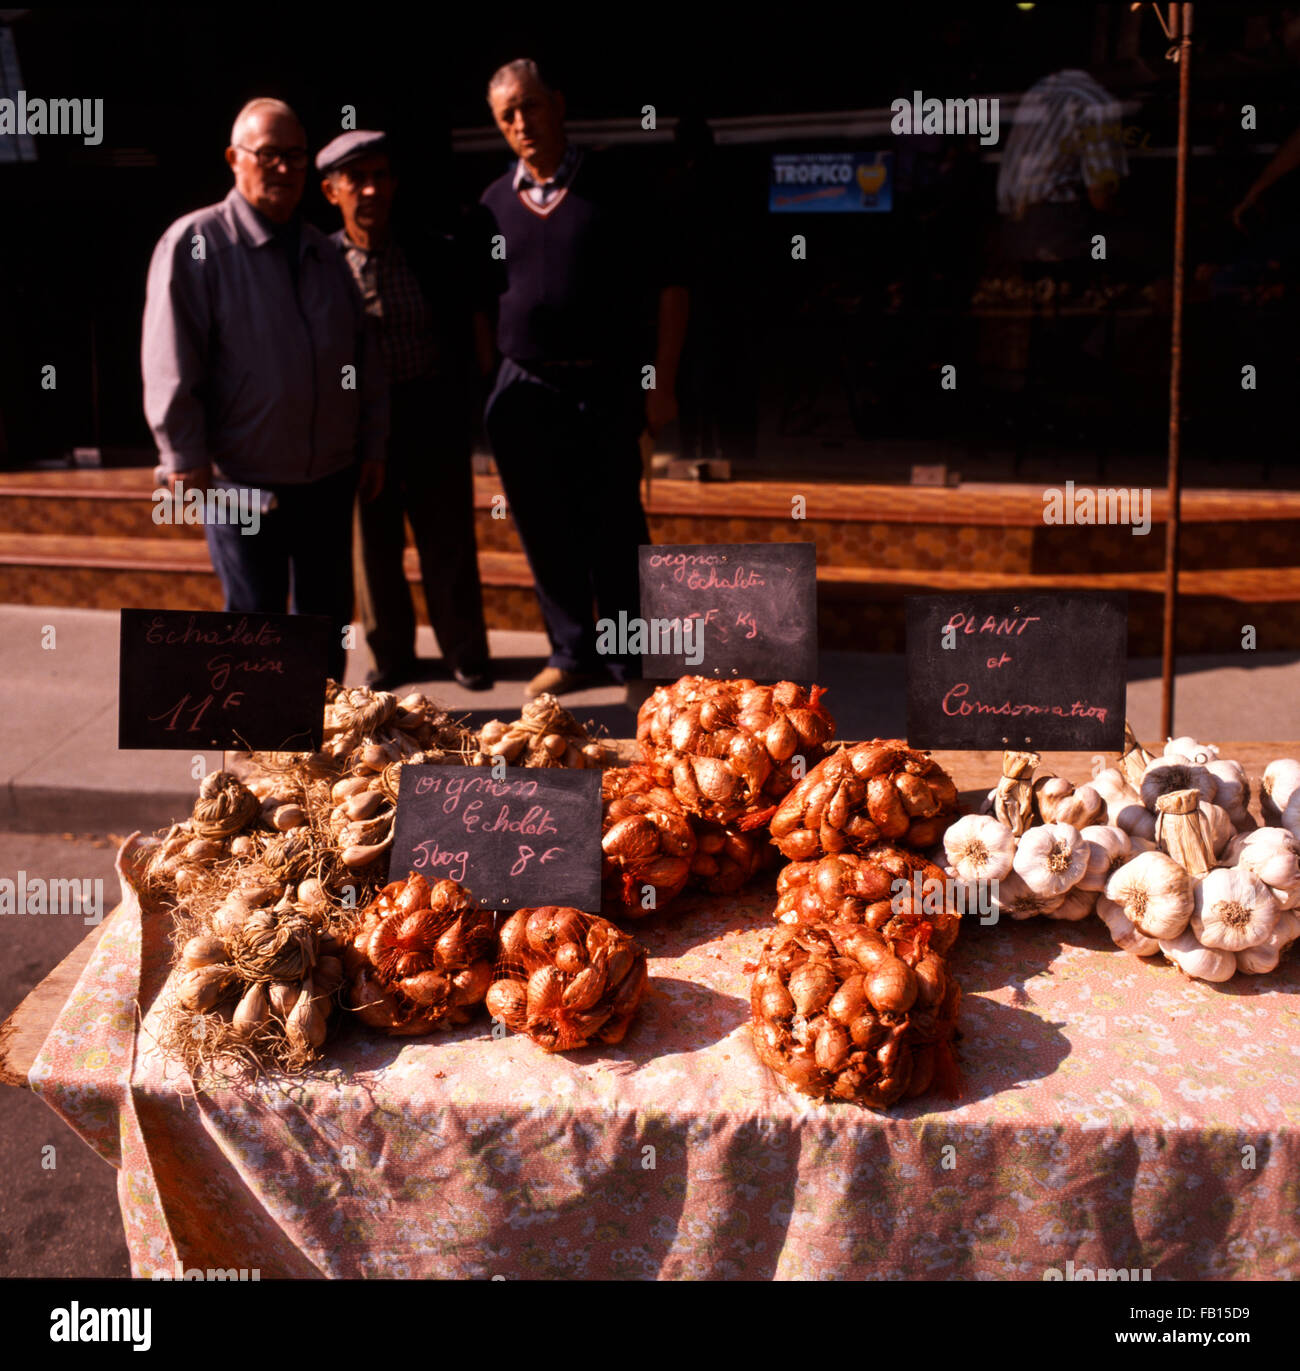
x=579 y=282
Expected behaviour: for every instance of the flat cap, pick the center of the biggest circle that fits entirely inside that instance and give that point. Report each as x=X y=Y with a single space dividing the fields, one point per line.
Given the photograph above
x=347 y=147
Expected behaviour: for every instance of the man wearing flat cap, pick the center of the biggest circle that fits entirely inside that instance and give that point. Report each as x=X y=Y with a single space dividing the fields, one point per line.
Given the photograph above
x=262 y=371
x=415 y=291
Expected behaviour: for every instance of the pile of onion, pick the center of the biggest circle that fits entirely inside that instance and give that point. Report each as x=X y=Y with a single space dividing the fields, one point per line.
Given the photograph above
x=733 y=748
x=647 y=841
x=565 y=977
x=878 y=791
x=727 y=858
x=865 y=889
x=839 y=1014
x=421 y=959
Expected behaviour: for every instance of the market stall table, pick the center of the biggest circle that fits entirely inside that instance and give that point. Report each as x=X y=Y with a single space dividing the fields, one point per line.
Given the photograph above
x=1115 y=1115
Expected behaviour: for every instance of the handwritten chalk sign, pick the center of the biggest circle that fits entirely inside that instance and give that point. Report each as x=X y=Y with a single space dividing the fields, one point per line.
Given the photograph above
x=729 y=609
x=1040 y=671
x=204 y=680
x=531 y=837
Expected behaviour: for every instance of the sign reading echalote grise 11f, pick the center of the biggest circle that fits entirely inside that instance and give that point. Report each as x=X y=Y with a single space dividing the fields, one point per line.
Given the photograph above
x=729 y=609
x=1040 y=671
x=528 y=837
x=191 y=679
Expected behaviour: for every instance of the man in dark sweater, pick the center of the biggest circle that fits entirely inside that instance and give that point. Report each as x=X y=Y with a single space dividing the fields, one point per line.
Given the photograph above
x=591 y=313
x=414 y=290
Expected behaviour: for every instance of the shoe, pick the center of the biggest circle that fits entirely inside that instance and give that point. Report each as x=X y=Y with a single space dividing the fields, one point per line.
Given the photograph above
x=474 y=678
x=391 y=677
x=558 y=680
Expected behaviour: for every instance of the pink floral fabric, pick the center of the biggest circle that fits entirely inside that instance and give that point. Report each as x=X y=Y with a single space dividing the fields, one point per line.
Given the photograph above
x=1115 y=1115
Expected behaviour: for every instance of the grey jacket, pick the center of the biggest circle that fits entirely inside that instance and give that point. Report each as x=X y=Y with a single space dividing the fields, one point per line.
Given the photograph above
x=270 y=387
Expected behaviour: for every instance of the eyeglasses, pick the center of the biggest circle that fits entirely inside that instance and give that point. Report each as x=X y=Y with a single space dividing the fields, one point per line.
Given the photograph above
x=293 y=158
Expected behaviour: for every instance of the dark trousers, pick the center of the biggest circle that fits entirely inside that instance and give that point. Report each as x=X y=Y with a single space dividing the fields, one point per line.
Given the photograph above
x=301 y=548
x=430 y=480
x=567 y=452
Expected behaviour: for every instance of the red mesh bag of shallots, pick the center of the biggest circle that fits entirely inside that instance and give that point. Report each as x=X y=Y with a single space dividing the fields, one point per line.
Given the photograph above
x=647 y=840
x=731 y=746
x=565 y=978
x=896 y=893
x=840 y=1015
x=867 y=793
x=421 y=958
x=727 y=858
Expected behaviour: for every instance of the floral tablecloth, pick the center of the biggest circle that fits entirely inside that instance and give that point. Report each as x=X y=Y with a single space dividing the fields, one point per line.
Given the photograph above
x=1115 y=1116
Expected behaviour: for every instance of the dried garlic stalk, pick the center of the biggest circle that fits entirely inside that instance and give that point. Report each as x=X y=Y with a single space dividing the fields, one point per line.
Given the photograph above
x=1182 y=831
x=1135 y=758
x=1013 y=800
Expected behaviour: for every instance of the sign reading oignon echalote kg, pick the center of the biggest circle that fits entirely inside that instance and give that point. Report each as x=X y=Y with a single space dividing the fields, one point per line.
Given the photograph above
x=729 y=610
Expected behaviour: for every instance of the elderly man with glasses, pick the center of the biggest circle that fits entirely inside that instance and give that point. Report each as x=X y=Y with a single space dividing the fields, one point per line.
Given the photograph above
x=262 y=371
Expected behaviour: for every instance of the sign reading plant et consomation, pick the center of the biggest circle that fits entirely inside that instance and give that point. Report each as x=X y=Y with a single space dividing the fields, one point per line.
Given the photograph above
x=1040 y=671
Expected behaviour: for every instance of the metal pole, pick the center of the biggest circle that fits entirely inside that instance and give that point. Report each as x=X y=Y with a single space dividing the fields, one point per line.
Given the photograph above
x=1183 y=32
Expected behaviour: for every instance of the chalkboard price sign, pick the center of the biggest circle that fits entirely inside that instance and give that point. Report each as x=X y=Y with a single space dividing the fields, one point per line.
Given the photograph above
x=728 y=609
x=189 y=679
x=528 y=837
x=1040 y=671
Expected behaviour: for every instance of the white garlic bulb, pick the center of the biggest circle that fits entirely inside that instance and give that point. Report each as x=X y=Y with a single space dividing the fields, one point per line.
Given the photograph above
x=1219 y=826
x=1085 y=806
x=1136 y=820
x=1232 y=909
x=1192 y=959
x=1051 y=858
x=1163 y=777
x=1049 y=792
x=1108 y=849
x=1122 y=931
x=1077 y=904
x=1187 y=749
x=1113 y=787
x=1273 y=855
x=979 y=847
x=1264 y=957
x=1232 y=791
x=1017 y=901
x=1155 y=893
x=1281 y=782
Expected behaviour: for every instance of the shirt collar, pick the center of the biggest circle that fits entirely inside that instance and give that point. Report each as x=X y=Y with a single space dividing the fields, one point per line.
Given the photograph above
x=255 y=229
x=563 y=173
